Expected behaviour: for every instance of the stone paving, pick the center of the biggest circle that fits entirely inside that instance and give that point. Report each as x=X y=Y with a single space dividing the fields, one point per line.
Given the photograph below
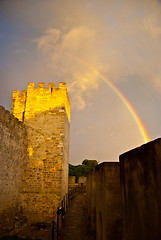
x=75 y=225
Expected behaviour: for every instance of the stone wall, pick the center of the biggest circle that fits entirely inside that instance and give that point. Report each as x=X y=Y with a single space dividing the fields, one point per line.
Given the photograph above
x=81 y=180
x=45 y=175
x=124 y=198
x=104 y=200
x=13 y=152
x=65 y=156
x=72 y=183
x=34 y=156
x=72 y=180
x=91 y=199
x=37 y=100
x=141 y=192
x=46 y=113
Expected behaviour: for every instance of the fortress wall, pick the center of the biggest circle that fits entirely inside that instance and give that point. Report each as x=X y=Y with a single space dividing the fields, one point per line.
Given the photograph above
x=72 y=180
x=41 y=99
x=104 y=200
x=91 y=199
x=135 y=206
x=13 y=151
x=45 y=177
x=18 y=104
x=108 y=201
x=141 y=192
x=34 y=156
x=65 y=159
x=81 y=180
x=46 y=114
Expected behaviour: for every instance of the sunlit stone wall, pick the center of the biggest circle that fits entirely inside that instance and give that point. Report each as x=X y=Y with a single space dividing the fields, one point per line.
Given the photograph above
x=45 y=177
x=13 y=153
x=37 y=100
x=46 y=113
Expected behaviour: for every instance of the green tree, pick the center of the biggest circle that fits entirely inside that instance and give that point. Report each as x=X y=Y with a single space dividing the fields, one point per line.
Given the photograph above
x=90 y=163
x=82 y=170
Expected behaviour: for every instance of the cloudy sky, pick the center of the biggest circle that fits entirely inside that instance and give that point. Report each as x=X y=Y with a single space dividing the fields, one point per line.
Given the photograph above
x=73 y=40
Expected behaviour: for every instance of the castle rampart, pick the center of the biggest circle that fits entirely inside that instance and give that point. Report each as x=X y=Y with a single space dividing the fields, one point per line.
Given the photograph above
x=41 y=99
x=34 y=154
x=104 y=200
x=45 y=177
x=13 y=152
x=124 y=198
x=141 y=192
x=46 y=113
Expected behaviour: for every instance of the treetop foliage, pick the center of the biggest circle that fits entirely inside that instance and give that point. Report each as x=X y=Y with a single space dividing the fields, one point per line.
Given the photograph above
x=90 y=163
x=82 y=170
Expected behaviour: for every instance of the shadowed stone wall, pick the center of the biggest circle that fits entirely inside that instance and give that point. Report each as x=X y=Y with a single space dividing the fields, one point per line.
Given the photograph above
x=91 y=199
x=81 y=180
x=72 y=180
x=13 y=153
x=104 y=200
x=108 y=201
x=126 y=196
x=141 y=192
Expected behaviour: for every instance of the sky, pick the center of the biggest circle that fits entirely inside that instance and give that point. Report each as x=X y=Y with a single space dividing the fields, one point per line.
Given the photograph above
x=91 y=45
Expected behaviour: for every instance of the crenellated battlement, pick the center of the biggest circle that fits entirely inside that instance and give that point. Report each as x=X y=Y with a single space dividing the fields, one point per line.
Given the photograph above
x=18 y=104
x=16 y=93
x=41 y=85
x=41 y=99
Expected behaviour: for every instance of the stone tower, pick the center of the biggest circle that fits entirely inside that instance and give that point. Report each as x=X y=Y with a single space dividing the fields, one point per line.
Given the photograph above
x=46 y=115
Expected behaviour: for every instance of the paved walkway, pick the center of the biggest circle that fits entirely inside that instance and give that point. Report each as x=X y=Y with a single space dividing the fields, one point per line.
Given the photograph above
x=75 y=225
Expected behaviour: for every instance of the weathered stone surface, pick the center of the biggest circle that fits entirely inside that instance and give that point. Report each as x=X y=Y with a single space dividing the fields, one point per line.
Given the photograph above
x=81 y=180
x=13 y=152
x=45 y=177
x=34 y=154
x=104 y=200
x=37 y=100
x=72 y=180
x=91 y=199
x=108 y=201
x=141 y=192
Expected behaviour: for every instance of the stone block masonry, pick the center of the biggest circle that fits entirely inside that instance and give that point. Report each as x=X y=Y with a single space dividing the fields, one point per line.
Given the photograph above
x=104 y=201
x=43 y=178
x=91 y=199
x=124 y=198
x=37 y=100
x=46 y=113
x=82 y=180
x=141 y=192
x=108 y=201
x=13 y=153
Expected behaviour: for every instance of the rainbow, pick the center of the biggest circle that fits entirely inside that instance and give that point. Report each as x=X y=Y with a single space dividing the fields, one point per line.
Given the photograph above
x=127 y=104
x=120 y=95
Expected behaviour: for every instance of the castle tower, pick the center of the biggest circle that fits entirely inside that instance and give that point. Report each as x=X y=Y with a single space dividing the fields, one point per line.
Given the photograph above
x=46 y=114
x=37 y=100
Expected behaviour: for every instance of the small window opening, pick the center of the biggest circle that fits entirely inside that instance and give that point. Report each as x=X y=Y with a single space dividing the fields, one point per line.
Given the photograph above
x=23 y=116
